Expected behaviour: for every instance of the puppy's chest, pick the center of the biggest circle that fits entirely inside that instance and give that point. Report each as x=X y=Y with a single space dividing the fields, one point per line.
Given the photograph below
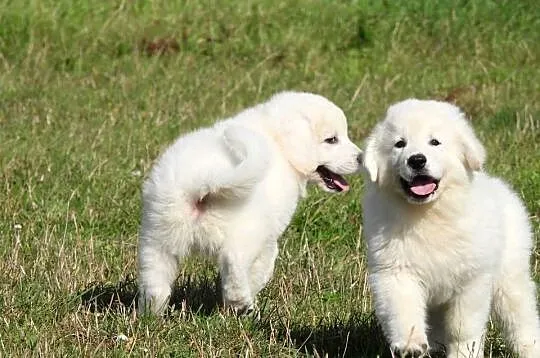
x=441 y=267
x=441 y=260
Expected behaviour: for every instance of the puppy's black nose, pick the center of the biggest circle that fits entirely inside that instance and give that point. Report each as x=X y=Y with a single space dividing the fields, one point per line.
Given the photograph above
x=417 y=161
x=359 y=158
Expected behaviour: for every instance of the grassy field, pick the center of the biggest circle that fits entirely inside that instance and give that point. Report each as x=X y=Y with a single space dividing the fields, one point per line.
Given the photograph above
x=92 y=92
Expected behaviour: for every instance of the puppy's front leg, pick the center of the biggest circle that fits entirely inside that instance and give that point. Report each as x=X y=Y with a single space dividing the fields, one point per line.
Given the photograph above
x=263 y=267
x=466 y=318
x=400 y=306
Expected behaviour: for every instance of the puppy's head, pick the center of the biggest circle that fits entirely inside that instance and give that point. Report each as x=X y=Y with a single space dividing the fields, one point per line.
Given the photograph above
x=313 y=136
x=422 y=148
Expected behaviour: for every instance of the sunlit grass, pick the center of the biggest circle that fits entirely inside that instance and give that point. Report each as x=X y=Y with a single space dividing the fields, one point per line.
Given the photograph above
x=91 y=92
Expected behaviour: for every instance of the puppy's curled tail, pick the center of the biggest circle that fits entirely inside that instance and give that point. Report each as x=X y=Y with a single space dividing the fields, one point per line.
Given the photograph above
x=250 y=151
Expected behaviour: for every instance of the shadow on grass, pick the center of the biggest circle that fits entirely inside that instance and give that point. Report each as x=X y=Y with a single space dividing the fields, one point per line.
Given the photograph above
x=116 y=297
x=360 y=336
x=199 y=296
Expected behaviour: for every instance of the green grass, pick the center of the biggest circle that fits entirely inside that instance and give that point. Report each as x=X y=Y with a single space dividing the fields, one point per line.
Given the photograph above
x=86 y=105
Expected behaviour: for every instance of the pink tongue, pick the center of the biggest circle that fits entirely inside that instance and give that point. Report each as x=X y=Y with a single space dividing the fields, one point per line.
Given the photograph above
x=423 y=189
x=343 y=187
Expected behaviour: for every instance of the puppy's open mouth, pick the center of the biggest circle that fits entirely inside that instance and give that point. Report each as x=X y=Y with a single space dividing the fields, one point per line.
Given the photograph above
x=420 y=187
x=333 y=181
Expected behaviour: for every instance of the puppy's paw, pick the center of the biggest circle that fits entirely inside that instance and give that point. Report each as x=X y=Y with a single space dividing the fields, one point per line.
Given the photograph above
x=241 y=308
x=253 y=312
x=156 y=303
x=249 y=310
x=413 y=347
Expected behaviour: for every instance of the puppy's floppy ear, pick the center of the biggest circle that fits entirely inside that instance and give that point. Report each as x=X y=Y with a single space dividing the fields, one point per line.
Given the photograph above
x=370 y=156
x=299 y=144
x=474 y=154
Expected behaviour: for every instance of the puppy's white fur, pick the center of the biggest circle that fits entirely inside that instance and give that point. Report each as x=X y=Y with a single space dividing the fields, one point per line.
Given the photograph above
x=438 y=265
x=229 y=191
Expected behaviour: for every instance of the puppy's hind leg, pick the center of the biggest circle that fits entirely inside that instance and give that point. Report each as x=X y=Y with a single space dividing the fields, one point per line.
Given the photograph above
x=515 y=305
x=157 y=272
x=234 y=266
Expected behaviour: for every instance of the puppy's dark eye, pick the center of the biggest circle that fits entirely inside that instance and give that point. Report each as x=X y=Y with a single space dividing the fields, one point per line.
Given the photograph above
x=331 y=140
x=400 y=144
x=434 y=142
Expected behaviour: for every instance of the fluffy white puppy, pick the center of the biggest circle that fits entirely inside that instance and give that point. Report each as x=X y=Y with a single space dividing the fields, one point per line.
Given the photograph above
x=230 y=190
x=446 y=242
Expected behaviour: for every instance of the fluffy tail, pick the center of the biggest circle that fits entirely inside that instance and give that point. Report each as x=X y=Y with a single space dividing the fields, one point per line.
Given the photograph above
x=252 y=155
x=168 y=196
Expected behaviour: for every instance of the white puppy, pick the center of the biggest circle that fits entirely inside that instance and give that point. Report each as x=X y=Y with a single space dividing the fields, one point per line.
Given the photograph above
x=446 y=242
x=230 y=190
